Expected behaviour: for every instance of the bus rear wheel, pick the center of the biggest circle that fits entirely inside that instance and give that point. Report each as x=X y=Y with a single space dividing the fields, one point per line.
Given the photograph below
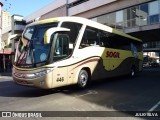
x=132 y=74
x=83 y=78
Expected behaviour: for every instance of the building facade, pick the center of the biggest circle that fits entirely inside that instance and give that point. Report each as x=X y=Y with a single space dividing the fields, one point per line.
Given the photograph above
x=6 y=19
x=6 y=24
x=131 y=16
x=10 y=38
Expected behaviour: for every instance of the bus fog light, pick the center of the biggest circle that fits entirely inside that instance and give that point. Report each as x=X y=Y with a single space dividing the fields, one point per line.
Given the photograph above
x=30 y=75
x=41 y=83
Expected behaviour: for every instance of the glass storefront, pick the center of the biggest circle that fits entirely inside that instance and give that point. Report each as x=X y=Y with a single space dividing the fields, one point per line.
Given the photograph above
x=143 y=14
x=155 y=44
x=154 y=12
x=139 y=15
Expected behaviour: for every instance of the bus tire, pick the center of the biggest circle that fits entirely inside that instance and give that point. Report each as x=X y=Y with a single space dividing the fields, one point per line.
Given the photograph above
x=83 y=78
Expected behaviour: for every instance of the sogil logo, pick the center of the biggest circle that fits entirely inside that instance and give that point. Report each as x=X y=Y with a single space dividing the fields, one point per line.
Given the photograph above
x=111 y=54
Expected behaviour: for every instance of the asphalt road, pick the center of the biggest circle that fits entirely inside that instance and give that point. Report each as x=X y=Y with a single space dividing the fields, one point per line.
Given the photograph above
x=140 y=94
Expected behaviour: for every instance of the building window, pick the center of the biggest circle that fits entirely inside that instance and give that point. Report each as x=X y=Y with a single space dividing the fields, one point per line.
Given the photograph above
x=135 y=16
x=119 y=19
x=77 y=2
x=119 y=16
x=102 y=19
x=140 y=15
x=154 y=12
x=154 y=19
x=153 y=8
x=111 y=19
x=125 y=18
x=143 y=14
x=132 y=16
x=94 y=19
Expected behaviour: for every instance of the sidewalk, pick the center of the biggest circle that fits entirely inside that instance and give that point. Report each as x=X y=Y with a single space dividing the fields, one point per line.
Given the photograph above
x=7 y=73
x=5 y=76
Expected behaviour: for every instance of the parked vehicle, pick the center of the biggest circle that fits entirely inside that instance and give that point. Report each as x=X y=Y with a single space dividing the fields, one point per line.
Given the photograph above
x=155 y=64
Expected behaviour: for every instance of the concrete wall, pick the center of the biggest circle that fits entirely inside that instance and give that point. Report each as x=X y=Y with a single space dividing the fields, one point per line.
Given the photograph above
x=88 y=5
x=45 y=10
x=62 y=11
x=107 y=8
x=88 y=9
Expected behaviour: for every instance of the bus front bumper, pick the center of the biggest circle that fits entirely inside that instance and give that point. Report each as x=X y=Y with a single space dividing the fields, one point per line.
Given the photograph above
x=40 y=79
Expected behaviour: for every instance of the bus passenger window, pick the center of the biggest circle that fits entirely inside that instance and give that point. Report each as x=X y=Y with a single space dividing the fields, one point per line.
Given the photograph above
x=90 y=37
x=73 y=34
x=84 y=43
x=104 y=38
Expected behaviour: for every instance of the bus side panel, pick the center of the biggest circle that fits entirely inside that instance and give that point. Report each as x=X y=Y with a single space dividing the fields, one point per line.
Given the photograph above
x=123 y=69
x=98 y=70
x=118 y=63
x=60 y=77
x=89 y=64
x=100 y=66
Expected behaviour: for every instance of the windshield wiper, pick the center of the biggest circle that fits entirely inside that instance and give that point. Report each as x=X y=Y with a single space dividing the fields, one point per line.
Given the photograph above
x=23 y=54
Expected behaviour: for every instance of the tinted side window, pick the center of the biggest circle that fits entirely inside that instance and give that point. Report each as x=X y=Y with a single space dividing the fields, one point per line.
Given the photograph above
x=93 y=36
x=90 y=37
x=104 y=38
x=119 y=42
x=74 y=30
x=124 y=43
x=115 y=41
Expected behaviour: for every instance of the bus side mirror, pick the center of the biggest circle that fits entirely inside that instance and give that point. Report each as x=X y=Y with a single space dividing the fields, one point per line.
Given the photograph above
x=49 y=32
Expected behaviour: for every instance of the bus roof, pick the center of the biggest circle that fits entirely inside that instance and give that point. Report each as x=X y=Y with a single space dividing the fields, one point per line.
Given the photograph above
x=86 y=22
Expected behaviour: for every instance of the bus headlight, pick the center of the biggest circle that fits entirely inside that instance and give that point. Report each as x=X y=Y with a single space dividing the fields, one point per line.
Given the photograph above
x=38 y=74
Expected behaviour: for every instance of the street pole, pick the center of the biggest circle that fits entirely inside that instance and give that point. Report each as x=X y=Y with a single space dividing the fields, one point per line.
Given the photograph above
x=1 y=4
x=4 y=64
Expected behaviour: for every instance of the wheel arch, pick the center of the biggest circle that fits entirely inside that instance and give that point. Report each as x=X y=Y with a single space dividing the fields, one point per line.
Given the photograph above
x=133 y=70
x=88 y=70
x=84 y=77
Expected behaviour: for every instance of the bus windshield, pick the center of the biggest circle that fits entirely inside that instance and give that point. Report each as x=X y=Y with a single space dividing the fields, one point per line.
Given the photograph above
x=31 y=50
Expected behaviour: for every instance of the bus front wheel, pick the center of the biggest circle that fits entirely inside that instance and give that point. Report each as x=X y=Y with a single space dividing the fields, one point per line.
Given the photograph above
x=83 y=78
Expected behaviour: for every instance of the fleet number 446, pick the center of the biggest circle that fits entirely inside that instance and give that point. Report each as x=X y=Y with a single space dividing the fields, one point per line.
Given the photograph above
x=61 y=79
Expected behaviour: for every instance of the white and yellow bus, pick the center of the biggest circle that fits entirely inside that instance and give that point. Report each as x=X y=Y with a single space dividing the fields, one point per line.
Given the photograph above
x=72 y=50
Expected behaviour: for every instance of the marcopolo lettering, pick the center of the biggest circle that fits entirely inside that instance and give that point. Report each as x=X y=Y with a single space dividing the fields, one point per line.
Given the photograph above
x=110 y=54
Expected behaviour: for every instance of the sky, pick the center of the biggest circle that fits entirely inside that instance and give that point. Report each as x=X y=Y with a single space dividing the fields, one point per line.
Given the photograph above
x=24 y=7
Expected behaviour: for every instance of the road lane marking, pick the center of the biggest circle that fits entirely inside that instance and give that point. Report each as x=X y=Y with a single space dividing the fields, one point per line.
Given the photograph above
x=90 y=92
x=154 y=107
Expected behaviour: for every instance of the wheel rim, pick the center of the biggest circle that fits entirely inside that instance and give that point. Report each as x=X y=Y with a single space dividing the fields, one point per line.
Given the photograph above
x=83 y=79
